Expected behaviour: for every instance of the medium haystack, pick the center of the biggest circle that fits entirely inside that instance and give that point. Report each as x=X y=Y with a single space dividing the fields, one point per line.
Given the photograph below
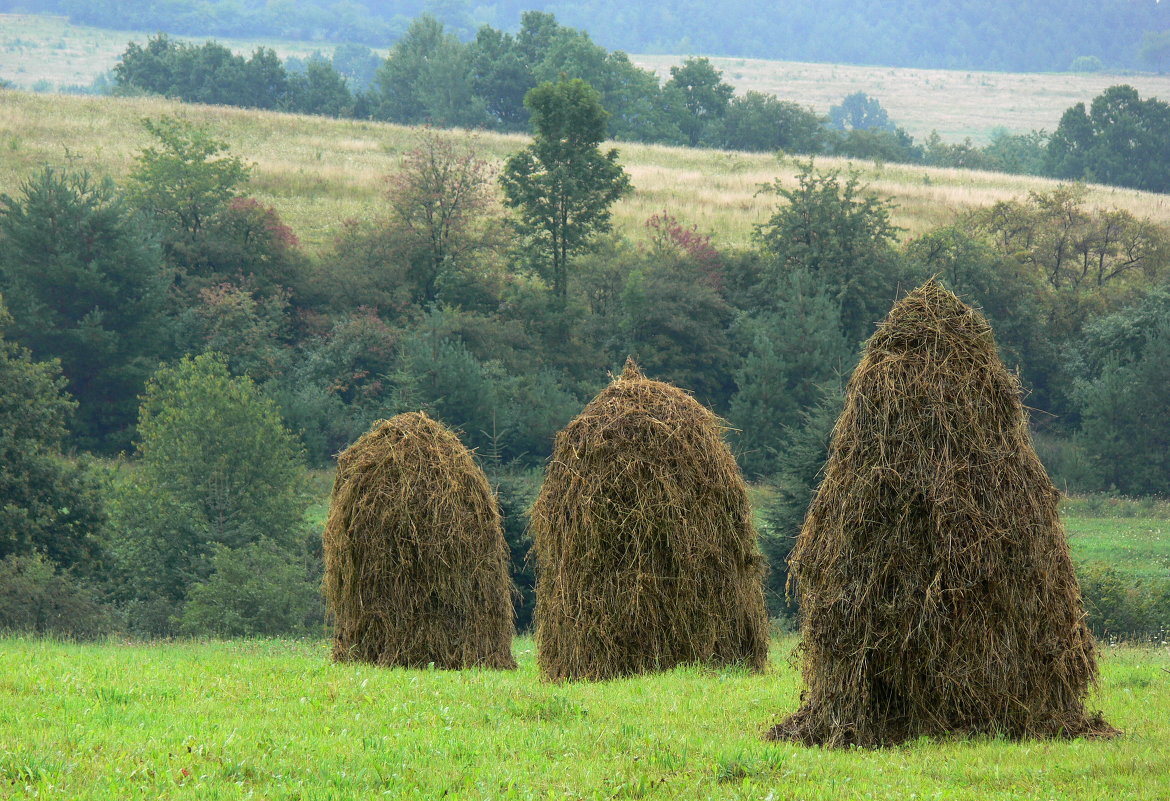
x=645 y=550
x=935 y=582
x=416 y=566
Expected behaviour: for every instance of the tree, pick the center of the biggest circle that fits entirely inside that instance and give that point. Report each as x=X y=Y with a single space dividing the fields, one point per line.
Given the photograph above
x=841 y=235
x=86 y=284
x=1068 y=243
x=1121 y=140
x=247 y=242
x=207 y=73
x=216 y=467
x=702 y=95
x=38 y=598
x=428 y=78
x=184 y=179
x=562 y=185
x=441 y=199
x=673 y=318
x=320 y=89
x=758 y=122
x=501 y=76
x=215 y=443
x=357 y=64
x=799 y=465
x=1024 y=154
x=790 y=352
x=1155 y=50
x=1125 y=415
x=860 y=112
x=48 y=505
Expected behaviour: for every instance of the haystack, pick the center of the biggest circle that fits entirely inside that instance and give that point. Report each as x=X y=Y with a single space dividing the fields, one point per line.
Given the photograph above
x=934 y=578
x=416 y=566
x=646 y=554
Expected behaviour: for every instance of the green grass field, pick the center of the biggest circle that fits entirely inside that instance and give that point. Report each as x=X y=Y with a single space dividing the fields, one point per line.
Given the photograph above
x=1139 y=547
x=276 y=719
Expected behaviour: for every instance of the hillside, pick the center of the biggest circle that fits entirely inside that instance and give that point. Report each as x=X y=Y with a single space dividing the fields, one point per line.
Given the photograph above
x=319 y=172
x=956 y=103
x=49 y=53
x=967 y=34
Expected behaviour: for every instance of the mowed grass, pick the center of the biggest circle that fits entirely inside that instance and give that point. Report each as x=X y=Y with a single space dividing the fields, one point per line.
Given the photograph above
x=276 y=719
x=318 y=172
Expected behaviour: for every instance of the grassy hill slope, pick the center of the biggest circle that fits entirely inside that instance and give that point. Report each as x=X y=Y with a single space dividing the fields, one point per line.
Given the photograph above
x=318 y=172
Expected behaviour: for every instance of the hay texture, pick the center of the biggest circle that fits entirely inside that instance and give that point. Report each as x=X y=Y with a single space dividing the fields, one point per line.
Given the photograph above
x=416 y=566
x=935 y=582
x=646 y=553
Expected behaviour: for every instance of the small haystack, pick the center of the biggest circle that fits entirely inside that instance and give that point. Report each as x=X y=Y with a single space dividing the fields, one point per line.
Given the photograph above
x=645 y=550
x=935 y=583
x=416 y=566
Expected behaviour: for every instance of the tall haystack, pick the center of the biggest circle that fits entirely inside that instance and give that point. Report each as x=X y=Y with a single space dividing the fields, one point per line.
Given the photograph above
x=416 y=566
x=935 y=582
x=646 y=554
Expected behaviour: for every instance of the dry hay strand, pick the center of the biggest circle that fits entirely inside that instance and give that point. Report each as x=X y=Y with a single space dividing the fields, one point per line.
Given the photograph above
x=416 y=565
x=646 y=552
x=934 y=577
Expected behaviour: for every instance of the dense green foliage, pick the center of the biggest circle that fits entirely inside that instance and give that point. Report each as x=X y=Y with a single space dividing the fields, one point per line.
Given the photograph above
x=216 y=468
x=1121 y=140
x=48 y=505
x=37 y=597
x=255 y=590
x=1030 y=36
x=82 y=275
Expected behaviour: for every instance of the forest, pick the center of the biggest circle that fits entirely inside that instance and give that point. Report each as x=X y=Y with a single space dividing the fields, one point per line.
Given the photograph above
x=1033 y=36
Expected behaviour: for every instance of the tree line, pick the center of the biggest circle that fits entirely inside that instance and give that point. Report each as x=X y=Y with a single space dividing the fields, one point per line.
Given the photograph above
x=432 y=77
x=1039 y=35
x=173 y=327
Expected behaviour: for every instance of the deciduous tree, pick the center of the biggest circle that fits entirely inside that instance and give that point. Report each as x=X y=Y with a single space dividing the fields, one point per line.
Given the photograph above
x=562 y=185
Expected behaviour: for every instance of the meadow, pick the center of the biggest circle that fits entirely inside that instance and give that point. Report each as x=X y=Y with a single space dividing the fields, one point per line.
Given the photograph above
x=956 y=103
x=277 y=720
x=318 y=172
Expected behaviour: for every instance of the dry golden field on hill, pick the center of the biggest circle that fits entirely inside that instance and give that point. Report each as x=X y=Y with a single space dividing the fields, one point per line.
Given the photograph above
x=318 y=171
x=956 y=103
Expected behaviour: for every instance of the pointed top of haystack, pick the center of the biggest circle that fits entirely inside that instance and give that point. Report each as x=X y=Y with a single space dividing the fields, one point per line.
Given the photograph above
x=631 y=372
x=932 y=317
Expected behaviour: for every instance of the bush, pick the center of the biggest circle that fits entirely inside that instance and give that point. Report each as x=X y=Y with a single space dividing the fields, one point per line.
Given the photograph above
x=1086 y=64
x=1121 y=607
x=259 y=590
x=217 y=468
x=36 y=598
x=1066 y=461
